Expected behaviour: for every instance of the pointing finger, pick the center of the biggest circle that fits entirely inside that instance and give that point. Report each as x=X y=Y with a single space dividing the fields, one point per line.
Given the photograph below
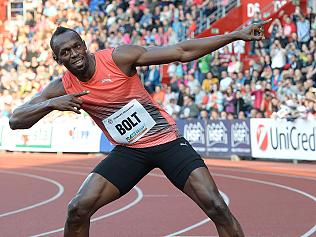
x=265 y=22
x=81 y=93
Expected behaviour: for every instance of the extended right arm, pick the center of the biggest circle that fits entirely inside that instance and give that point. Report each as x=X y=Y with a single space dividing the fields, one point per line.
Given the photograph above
x=52 y=98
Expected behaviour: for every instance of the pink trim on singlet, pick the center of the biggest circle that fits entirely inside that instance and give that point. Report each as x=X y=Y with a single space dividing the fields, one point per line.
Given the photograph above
x=110 y=89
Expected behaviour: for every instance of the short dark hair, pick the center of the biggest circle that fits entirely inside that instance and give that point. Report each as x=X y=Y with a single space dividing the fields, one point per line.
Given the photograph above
x=60 y=30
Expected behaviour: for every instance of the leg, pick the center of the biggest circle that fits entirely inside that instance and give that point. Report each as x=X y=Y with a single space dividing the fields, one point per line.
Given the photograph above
x=111 y=178
x=94 y=193
x=184 y=167
x=200 y=187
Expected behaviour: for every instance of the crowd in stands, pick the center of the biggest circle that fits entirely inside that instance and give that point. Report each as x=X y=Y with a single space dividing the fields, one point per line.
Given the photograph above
x=279 y=81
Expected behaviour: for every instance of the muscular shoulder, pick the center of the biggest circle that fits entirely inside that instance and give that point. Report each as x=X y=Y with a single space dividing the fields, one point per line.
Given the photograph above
x=126 y=57
x=54 y=89
x=128 y=52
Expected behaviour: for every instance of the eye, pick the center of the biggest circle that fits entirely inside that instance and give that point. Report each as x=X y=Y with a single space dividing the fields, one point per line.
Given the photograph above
x=78 y=46
x=65 y=52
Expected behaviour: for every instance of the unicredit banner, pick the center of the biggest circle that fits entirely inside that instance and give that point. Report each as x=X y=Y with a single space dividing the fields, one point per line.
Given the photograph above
x=283 y=139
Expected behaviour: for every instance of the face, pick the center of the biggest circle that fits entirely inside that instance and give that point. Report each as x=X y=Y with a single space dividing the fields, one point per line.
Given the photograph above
x=238 y=94
x=71 y=51
x=223 y=115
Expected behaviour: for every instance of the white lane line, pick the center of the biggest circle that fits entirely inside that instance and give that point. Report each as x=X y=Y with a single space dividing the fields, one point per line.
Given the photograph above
x=226 y=200
x=307 y=234
x=53 y=198
x=160 y=196
x=310 y=231
x=139 y=197
x=196 y=236
x=263 y=172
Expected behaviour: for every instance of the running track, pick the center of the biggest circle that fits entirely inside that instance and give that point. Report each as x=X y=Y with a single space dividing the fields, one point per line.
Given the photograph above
x=269 y=199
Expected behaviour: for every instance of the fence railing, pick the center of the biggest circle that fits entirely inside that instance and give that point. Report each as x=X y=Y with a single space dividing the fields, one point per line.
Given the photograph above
x=221 y=8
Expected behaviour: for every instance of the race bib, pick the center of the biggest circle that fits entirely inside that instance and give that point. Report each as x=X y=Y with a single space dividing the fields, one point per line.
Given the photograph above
x=129 y=124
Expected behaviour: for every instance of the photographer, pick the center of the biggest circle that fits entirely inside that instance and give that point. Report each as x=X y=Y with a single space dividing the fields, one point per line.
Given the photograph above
x=278 y=55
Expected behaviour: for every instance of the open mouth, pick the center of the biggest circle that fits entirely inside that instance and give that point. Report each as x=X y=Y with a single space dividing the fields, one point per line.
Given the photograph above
x=78 y=62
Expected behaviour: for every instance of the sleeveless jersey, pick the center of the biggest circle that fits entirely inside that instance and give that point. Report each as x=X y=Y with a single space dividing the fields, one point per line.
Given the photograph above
x=121 y=106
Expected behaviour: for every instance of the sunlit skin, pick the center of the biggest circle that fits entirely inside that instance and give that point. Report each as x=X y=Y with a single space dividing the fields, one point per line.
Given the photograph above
x=71 y=51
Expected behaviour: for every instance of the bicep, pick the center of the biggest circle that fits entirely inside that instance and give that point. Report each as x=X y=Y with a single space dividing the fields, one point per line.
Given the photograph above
x=133 y=55
x=53 y=89
x=159 y=55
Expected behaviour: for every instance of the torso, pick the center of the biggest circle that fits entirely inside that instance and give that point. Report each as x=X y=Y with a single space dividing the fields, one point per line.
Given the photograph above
x=121 y=106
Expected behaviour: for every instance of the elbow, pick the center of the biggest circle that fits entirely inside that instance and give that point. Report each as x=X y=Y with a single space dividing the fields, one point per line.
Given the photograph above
x=15 y=123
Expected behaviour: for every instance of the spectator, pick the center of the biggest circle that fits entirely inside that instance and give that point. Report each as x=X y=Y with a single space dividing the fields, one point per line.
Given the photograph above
x=303 y=28
x=189 y=110
x=257 y=96
x=223 y=115
x=203 y=115
x=172 y=108
x=214 y=115
x=266 y=103
x=238 y=103
x=278 y=56
x=241 y=115
x=209 y=81
x=159 y=95
x=276 y=79
x=225 y=81
x=152 y=78
x=229 y=101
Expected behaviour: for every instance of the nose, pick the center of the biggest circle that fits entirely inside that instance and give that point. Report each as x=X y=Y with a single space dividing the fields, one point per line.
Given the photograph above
x=73 y=53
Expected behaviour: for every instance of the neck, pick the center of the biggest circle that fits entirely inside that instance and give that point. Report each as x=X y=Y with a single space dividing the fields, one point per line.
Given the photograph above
x=89 y=69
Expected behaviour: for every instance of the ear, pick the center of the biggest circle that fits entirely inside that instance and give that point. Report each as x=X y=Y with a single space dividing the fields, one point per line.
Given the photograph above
x=84 y=43
x=56 y=59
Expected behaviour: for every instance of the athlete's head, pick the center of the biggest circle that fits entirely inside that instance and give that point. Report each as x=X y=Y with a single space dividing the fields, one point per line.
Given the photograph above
x=69 y=49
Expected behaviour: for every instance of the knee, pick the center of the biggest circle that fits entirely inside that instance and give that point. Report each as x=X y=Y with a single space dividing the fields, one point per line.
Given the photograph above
x=218 y=211
x=78 y=210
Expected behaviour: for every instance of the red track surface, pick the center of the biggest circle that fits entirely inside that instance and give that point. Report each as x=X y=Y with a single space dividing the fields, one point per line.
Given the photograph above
x=269 y=199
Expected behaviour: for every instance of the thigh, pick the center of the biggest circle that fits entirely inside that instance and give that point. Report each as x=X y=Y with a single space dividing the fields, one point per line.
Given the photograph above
x=201 y=188
x=124 y=168
x=95 y=192
x=178 y=161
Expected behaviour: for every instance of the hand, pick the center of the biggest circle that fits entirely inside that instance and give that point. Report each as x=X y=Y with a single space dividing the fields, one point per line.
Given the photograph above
x=253 y=32
x=71 y=102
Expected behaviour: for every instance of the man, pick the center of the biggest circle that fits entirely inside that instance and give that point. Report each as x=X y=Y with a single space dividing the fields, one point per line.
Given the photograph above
x=303 y=30
x=107 y=87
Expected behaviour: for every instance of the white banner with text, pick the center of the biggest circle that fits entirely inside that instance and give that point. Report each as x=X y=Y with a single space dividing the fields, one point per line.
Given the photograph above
x=282 y=139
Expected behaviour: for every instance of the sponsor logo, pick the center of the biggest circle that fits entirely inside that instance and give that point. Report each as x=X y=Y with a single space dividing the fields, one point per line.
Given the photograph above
x=105 y=80
x=285 y=138
x=136 y=134
x=290 y=138
x=194 y=133
x=240 y=134
x=262 y=137
x=217 y=133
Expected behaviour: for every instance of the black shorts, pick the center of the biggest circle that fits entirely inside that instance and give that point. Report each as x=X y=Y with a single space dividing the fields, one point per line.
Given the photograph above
x=124 y=167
